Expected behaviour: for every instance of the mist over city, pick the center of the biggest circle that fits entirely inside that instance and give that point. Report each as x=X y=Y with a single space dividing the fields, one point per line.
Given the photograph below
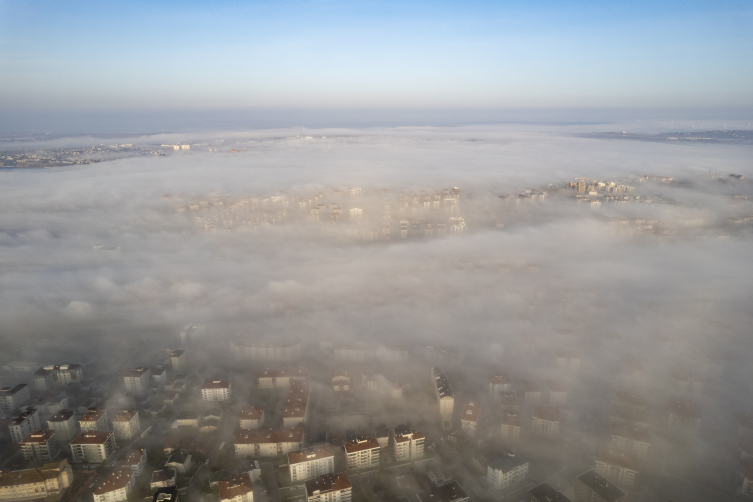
x=376 y=252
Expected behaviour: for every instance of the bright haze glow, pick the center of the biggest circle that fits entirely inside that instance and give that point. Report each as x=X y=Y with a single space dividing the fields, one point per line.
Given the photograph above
x=367 y=54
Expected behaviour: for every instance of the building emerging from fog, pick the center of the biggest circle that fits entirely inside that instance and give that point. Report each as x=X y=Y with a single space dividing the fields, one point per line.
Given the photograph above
x=469 y=417
x=444 y=395
x=506 y=471
x=58 y=376
x=593 y=487
x=216 y=390
x=409 y=444
x=64 y=424
x=362 y=453
x=11 y=399
x=252 y=350
x=92 y=447
x=50 y=480
x=311 y=462
x=329 y=488
x=268 y=443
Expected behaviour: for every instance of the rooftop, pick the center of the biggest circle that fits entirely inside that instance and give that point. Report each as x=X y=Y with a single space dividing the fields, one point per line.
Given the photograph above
x=546 y=413
x=251 y=413
x=115 y=481
x=294 y=435
x=545 y=493
x=216 y=383
x=61 y=416
x=125 y=416
x=327 y=483
x=600 y=485
x=361 y=443
x=236 y=486
x=471 y=411
x=498 y=379
x=446 y=493
x=307 y=454
x=508 y=462
x=91 y=437
x=39 y=436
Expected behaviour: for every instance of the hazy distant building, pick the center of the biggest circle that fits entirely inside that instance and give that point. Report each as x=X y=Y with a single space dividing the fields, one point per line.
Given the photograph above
x=178 y=361
x=137 y=380
x=499 y=382
x=135 y=460
x=40 y=445
x=341 y=382
x=469 y=417
x=24 y=424
x=251 y=417
x=180 y=461
x=382 y=435
x=268 y=443
x=633 y=439
x=510 y=427
x=188 y=418
x=531 y=392
x=12 y=398
x=545 y=421
x=568 y=360
x=329 y=488
x=92 y=447
x=593 y=487
x=506 y=471
x=296 y=406
x=684 y=417
x=556 y=392
x=65 y=425
x=282 y=378
x=126 y=425
x=509 y=401
x=443 y=392
x=618 y=466
x=409 y=444
x=253 y=350
x=57 y=376
x=217 y=390
x=311 y=462
x=93 y=420
x=362 y=453
x=163 y=478
x=353 y=353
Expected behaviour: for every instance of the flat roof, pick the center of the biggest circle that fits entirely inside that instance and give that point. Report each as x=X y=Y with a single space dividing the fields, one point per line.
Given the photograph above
x=125 y=416
x=327 y=483
x=295 y=435
x=236 y=486
x=508 y=462
x=115 y=481
x=61 y=416
x=251 y=413
x=92 y=437
x=498 y=379
x=307 y=454
x=546 y=413
x=216 y=383
x=601 y=486
x=361 y=443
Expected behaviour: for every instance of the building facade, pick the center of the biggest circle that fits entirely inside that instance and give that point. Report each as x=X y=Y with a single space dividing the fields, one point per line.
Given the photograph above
x=216 y=390
x=311 y=462
x=362 y=453
x=329 y=488
x=65 y=425
x=92 y=447
x=24 y=424
x=126 y=425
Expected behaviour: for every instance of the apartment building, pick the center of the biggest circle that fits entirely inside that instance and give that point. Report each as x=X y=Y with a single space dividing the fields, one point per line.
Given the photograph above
x=24 y=424
x=506 y=471
x=179 y=361
x=509 y=401
x=136 y=461
x=545 y=493
x=633 y=439
x=341 y=382
x=13 y=398
x=50 y=480
x=469 y=417
x=531 y=392
x=409 y=444
x=593 y=487
x=444 y=395
x=252 y=350
x=510 y=427
x=251 y=417
x=164 y=478
x=268 y=443
x=311 y=462
x=329 y=488
x=297 y=404
x=216 y=390
x=545 y=421
x=354 y=353
x=65 y=425
x=568 y=360
x=392 y=354
x=137 y=380
x=58 y=376
x=498 y=382
x=556 y=392
x=116 y=486
x=236 y=489
x=126 y=425
x=180 y=461
x=282 y=378
x=618 y=466
x=93 y=420
x=362 y=453
x=40 y=445
x=92 y=447
x=188 y=418
x=684 y=417
x=448 y=492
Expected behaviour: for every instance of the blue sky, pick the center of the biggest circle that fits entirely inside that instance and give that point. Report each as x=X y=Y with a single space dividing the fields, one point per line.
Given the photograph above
x=333 y=54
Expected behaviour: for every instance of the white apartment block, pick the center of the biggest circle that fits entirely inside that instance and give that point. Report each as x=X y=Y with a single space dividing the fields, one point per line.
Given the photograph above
x=116 y=486
x=251 y=417
x=237 y=489
x=510 y=427
x=545 y=421
x=126 y=425
x=531 y=392
x=620 y=467
x=329 y=488
x=23 y=425
x=136 y=461
x=443 y=392
x=12 y=398
x=556 y=391
x=58 y=376
x=65 y=425
x=178 y=361
x=40 y=445
x=252 y=350
x=409 y=444
x=362 y=453
x=92 y=447
x=506 y=471
x=268 y=443
x=311 y=462
x=137 y=380
x=469 y=417
x=297 y=404
x=93 y=420
x=216 y=390
x=50 y=480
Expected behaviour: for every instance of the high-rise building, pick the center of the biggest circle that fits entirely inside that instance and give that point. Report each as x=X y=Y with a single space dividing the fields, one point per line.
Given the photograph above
x=593 y=487
x=58 y=376
x=443 y=392
x=40 y=445
x=409 y=444
x=126 y=425
x=216 y=389
x=506 y=471
x=116 y=486
x=65 y=425
x=92 y=447
x=469 y=417
x=24 y=424
x=178 y=361
x=362 y=453
x=137 y=380
x=12 y=398
x=545 y=421
x=311 y=462
x=93 y=420
x=329 y=488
